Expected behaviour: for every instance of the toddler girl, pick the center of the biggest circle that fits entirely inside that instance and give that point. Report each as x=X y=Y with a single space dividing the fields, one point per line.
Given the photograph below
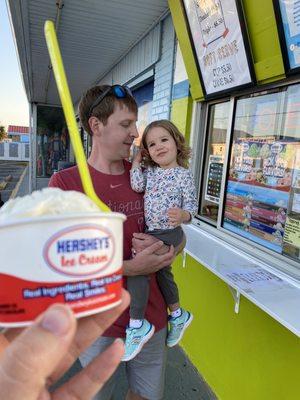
x=170 y=200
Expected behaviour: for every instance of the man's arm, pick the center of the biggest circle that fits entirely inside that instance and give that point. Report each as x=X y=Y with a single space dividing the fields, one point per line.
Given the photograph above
x=147 y=261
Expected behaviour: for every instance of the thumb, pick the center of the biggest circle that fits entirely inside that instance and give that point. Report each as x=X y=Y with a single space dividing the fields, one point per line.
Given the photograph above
x=31 y=358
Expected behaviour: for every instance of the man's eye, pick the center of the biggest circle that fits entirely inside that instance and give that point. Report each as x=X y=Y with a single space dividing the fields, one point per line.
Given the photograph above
x=125 y=124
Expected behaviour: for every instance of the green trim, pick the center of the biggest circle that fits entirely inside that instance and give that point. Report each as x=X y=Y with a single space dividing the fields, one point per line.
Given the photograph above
x=181 y=115
x=186 y=49
x=264 y=39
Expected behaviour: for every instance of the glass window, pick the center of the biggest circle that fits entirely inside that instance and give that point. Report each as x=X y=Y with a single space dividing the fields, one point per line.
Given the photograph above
x=214 y=159
x=52 y=141
x=262 y=195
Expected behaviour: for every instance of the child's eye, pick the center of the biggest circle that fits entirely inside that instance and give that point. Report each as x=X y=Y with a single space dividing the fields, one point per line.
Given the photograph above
x=151 y=145
x=164 y=140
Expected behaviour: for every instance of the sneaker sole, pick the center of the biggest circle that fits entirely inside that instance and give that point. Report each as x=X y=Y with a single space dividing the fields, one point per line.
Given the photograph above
x=187 y=324
x=140 y=346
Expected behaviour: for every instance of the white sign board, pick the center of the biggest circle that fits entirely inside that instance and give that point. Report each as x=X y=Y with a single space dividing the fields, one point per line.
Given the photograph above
x=219 y=45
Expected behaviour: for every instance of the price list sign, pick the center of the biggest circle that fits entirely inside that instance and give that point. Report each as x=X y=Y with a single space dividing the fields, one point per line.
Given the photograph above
x=214 y=179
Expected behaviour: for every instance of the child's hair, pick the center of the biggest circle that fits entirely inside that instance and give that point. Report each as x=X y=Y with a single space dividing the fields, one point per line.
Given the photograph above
x=183 y=150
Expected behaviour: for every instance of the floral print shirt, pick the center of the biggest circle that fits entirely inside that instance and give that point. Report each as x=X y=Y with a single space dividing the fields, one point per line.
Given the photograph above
x=164 y=189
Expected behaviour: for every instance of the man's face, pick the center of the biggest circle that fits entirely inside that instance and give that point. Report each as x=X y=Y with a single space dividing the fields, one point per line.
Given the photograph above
x=117 y=135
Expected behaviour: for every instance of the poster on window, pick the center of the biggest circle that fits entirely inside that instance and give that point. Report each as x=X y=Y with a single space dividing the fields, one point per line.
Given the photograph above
x=291 y=238
x=214 y=178
x=258 y=190
x=288 y=16
x=219 y=44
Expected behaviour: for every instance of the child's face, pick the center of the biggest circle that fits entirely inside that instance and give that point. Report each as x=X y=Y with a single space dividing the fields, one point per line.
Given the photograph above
x=162 y=147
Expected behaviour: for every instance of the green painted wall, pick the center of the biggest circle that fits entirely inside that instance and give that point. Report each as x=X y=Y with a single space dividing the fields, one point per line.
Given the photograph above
x=262 y=30
x=181 y=115
x=245 y=356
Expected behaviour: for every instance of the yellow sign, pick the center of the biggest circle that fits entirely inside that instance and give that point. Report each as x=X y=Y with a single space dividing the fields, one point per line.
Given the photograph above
x=292 y=232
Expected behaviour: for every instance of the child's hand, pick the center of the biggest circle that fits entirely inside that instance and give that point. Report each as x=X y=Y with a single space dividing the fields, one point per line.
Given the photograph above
x=177 y=216
x=137 y=159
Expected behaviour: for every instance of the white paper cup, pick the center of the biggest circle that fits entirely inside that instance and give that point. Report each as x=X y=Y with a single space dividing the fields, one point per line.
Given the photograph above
x=74 y=259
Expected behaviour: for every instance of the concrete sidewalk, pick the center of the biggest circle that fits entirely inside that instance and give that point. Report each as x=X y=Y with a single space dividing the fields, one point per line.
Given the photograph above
x=182 y=380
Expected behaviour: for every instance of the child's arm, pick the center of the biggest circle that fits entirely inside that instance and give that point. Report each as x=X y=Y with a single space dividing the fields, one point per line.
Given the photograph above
x=178 y=216
x=137 y=176
x=189 y=195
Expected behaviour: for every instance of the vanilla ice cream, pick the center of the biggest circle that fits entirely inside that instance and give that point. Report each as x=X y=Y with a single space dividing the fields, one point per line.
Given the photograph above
x=49 y=201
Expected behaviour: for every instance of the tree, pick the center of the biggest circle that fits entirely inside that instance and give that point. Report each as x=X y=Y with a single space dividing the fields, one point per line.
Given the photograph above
x=2 y=133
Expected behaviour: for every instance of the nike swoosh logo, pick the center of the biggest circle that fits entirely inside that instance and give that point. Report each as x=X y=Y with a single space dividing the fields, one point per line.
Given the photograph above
x=115 y=186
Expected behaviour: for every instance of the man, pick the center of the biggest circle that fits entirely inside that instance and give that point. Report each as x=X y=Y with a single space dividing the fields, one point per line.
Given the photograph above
x=109 y=115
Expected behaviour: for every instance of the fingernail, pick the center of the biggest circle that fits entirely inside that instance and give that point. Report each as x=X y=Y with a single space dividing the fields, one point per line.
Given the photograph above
x=56 y=320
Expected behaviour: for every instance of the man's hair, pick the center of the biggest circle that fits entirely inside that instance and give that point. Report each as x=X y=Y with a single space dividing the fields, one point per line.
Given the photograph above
x=183 y=150
x=103 y=110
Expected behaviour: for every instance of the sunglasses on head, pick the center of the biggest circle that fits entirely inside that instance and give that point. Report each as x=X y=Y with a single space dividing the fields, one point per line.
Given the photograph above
x=119 y=91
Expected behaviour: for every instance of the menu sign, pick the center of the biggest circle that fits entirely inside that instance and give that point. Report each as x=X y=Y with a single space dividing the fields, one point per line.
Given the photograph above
x=214 y=179
x=288 y=16
x=218 y=40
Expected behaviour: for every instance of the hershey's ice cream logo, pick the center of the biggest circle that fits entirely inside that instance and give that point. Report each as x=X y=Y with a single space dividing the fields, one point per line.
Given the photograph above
x=80 y=250
x=70 y=246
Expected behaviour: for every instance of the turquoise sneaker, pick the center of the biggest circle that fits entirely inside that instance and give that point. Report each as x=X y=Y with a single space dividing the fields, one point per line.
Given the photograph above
x=136 y=338
x=177 y=326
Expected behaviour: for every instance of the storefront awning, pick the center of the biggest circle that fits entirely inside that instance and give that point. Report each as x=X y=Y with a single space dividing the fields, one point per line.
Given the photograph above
x=93 y=36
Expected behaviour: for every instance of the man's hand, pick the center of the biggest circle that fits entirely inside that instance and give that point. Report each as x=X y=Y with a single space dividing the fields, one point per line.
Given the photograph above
x=177 y=216
x=43 y=352
x=148 y=261
x=141 y=241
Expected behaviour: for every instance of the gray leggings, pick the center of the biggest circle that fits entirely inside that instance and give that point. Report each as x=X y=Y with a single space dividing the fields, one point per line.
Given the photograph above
x=138 y=286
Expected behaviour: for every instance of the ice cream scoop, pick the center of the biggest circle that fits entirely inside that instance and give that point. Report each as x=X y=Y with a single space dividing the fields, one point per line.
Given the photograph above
x=49 y=201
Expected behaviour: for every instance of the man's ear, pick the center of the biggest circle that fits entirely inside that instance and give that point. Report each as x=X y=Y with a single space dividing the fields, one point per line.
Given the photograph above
x=95 y=125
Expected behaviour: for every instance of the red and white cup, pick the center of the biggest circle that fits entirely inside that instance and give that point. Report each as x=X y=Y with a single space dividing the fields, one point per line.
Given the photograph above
x=74 y=259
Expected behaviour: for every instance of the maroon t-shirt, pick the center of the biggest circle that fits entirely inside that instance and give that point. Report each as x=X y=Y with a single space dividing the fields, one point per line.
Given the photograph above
x=116 y=192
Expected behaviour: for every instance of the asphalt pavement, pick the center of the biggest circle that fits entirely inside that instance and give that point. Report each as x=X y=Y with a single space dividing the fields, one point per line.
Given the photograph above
x=183 y=381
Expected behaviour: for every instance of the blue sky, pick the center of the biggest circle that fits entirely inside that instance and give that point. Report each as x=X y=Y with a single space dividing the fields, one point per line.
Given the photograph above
x=13 y=101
